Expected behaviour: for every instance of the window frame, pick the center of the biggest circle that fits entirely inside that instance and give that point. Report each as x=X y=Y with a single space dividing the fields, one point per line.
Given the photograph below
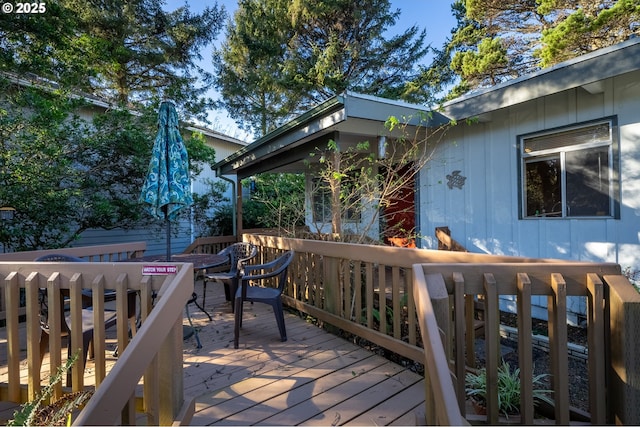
x=322 y=193
x=560 y=152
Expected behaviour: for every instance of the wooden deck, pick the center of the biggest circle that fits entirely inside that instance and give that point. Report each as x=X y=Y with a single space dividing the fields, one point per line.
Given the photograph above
x=314 y=378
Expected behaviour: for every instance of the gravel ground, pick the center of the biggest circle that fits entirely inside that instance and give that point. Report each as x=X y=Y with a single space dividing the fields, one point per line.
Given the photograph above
x=578 y=378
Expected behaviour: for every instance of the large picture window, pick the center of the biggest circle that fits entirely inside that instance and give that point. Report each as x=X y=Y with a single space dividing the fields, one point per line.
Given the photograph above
x=569 y=172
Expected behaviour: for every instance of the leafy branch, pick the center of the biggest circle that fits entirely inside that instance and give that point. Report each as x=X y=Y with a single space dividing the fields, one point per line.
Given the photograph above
x=37 y=412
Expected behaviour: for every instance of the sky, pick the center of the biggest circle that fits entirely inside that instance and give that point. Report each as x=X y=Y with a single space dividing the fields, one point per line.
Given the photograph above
x=434 y=16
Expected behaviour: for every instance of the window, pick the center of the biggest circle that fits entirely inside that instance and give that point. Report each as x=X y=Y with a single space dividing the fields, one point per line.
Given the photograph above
x=321 y=202
x=321 y=193
x=570 y=172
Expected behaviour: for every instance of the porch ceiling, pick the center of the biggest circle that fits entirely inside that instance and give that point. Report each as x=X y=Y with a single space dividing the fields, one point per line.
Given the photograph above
x=348 y=118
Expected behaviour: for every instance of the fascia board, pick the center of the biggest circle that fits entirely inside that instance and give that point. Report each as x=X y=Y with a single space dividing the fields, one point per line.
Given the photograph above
x=586 y=69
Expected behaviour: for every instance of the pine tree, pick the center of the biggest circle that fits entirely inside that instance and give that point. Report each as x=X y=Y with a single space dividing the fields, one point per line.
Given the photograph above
x=138 y=53
x=498 y=40
x=281 y=58
x=592 y=26
x=249 y=65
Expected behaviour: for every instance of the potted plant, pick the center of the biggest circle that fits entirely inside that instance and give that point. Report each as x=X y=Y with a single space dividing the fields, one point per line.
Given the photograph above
x=508 y=389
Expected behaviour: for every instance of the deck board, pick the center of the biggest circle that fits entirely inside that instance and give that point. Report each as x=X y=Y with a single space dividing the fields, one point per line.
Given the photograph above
x=314 y=378
x=409 y=399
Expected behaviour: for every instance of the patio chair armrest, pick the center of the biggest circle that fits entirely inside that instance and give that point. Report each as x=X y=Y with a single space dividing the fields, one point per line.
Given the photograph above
x=249 y=268
x=247 y=272
x=253 y=277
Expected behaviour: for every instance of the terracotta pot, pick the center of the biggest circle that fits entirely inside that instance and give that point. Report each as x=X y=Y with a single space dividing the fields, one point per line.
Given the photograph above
x=479 y=407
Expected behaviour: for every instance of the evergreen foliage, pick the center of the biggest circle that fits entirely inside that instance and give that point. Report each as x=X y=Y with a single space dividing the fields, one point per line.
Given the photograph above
x=495 y=40
x=64 y=175
x=281 y=57
x=277 y=201
x=61 y=173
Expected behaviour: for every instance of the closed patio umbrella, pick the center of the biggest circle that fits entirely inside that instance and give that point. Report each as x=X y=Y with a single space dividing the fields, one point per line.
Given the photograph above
x=167 y=187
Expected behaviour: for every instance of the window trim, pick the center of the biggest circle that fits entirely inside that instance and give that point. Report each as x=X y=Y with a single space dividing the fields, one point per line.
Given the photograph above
x=614 y=165
x=352 y=216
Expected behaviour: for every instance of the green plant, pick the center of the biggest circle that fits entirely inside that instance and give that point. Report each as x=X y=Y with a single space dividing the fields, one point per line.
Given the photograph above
x=37 y=412
x=508 y=388
x=376 y=316
x=404 y=300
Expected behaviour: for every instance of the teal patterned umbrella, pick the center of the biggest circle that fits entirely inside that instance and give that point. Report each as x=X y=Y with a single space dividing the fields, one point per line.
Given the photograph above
x=167 y=187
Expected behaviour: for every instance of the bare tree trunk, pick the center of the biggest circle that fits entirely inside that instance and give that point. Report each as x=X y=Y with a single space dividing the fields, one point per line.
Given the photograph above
x=336 y=206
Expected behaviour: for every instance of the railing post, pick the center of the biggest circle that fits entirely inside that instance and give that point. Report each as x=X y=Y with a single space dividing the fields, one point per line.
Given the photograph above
x=34 y=358
x=441 y=309
x=171 y=376
x=331 y=281
x=492 y=345
x=12 y=298
x=75 y=307
x=557 y=304
x=525 y=358
x=597 y=359
x=54 y=302
x=624 y=333
x=462 y=333
x=438 y=382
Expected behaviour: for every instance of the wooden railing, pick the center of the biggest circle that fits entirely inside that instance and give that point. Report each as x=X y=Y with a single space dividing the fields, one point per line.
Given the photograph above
x=346 y=285
x=97 y=253
x=612 y=312
x=145 y=381
x=441 y=399
x=369 y=292
x=210 y=245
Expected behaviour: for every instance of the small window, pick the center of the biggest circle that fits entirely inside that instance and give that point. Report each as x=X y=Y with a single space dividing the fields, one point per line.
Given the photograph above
x=321 y=202
x=569 y=173
x=321 y=195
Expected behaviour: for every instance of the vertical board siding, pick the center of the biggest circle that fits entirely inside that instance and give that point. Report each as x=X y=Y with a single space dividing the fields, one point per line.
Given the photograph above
x=485 y=214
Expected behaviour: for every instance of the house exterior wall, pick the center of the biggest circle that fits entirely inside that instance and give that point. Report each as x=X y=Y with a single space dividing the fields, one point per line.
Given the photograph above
x=484 y=214
x=155 y=237
x=223 y=150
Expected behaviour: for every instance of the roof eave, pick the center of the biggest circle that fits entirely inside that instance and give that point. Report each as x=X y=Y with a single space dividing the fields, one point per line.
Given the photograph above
x=225 y=166
x=581 y=71
x=328 y=115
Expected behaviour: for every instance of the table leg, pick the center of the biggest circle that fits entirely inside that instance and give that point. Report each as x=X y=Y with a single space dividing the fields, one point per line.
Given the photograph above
x=187 y=331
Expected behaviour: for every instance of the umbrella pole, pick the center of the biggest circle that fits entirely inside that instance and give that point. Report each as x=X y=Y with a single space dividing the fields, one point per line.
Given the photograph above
x=168 y=226
x=166 y=212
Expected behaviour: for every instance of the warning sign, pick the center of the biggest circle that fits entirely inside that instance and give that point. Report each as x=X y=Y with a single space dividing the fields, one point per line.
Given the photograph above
x=159 y=270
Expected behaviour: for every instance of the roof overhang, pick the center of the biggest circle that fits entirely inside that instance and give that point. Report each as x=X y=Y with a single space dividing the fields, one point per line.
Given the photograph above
x=214 y=134
x=586 y=71
x=353 y=116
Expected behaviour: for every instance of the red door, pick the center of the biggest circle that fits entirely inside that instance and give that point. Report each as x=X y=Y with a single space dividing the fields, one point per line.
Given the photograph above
x=399 y=218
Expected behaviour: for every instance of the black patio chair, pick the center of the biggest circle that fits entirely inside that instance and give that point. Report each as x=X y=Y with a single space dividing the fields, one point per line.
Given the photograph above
x=249 y=290
x=239 y=254
x=87 y=314
x=109 y=295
